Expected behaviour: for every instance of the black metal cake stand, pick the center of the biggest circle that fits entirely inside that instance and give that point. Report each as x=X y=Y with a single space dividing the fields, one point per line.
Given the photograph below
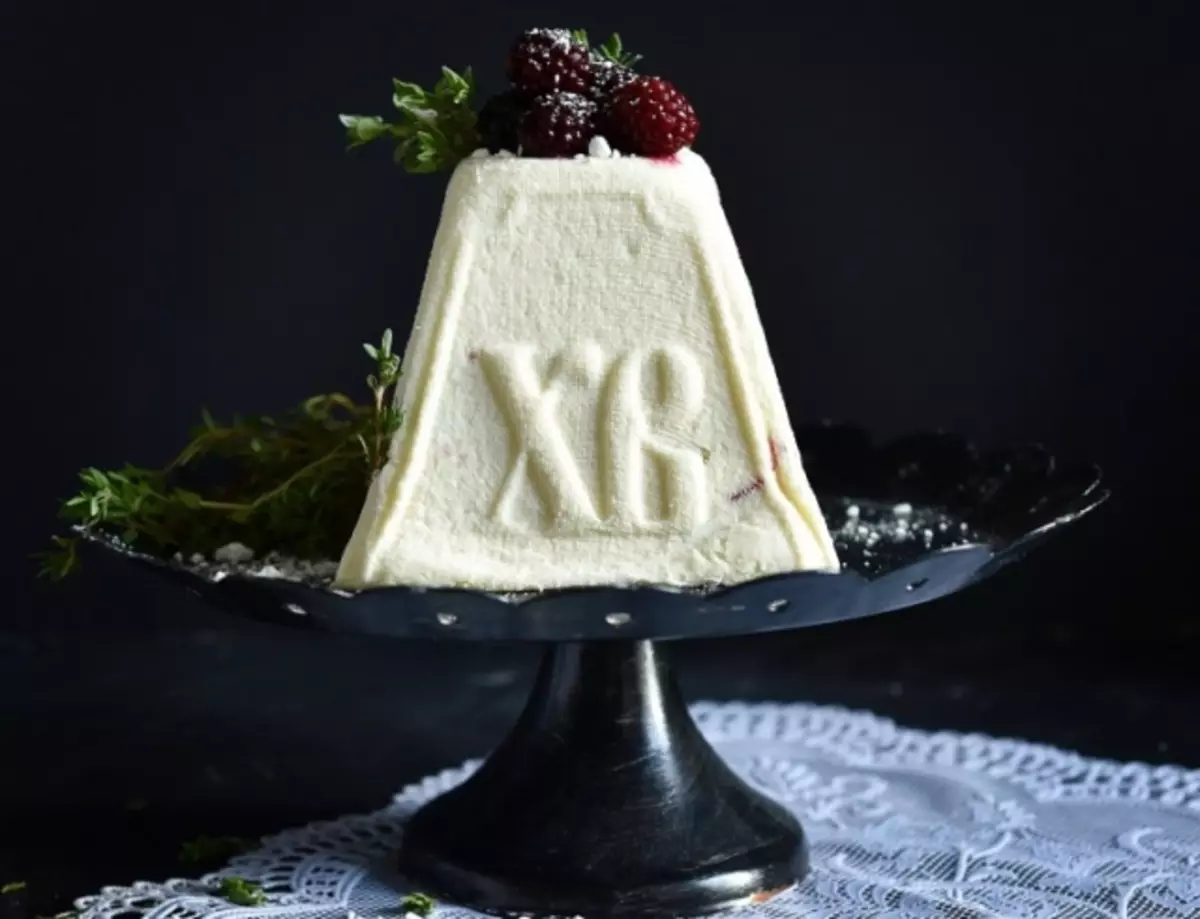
x=604 y=799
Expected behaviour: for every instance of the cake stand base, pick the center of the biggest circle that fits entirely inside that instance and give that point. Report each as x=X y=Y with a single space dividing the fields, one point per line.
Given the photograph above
x=604 y=800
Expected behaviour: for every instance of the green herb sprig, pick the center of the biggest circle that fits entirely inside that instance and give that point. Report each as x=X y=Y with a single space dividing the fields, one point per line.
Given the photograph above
x=293 y=483
x=241 y=892
x=434 y=129
x=421 y=904
x=612 y=50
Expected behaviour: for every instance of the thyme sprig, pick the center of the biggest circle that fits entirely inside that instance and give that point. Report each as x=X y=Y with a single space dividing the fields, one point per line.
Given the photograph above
x=292 y=483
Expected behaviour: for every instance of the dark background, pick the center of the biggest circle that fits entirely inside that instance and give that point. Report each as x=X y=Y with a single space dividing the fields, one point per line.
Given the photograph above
x=970 y=217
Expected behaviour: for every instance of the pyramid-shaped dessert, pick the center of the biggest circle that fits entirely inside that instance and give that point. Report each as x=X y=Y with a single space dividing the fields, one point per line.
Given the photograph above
x=587 y=393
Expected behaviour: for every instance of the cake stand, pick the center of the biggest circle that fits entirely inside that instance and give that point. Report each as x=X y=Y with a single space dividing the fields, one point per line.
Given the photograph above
x=604 y=799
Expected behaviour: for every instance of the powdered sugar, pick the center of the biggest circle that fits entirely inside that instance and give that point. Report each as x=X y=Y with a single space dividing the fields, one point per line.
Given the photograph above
x=237 y=559
x=869 y=534
x=559 y=38
x=599 y=147
x=234 y=553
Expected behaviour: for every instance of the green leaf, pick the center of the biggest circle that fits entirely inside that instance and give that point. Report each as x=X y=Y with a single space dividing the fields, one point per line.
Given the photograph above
x=403 y=90
x=189 y=499
x=580 y=37
x=362 y=129
x=60 y=560
x=613 y=50
x=241 y=892
x=420 y=903
x=452 y=85
x=402 y=151
x=13 y=887
x=372 y=351
x=418 y=111
x=436 y=128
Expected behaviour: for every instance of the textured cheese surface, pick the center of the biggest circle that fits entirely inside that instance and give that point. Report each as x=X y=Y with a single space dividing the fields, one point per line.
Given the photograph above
x=588 y=394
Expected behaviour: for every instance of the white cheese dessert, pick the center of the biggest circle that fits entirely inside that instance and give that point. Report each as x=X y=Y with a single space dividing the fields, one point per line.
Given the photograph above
x=588 y=396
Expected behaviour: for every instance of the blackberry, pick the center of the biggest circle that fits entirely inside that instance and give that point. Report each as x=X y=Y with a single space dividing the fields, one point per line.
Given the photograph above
x=549 y=60
x=607 y=78
x=499 y=119
x=558 y=124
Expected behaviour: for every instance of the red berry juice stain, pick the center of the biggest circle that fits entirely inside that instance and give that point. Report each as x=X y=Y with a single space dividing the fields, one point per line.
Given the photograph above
x=670 y=160
x=746 y=492
x=758 y=484
x=473 y=355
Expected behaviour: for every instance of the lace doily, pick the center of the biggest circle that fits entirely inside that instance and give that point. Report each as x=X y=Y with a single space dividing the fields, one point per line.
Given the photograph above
x=901 y=823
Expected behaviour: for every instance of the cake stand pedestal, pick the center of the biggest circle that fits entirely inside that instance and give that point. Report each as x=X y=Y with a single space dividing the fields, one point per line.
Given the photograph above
x=605 y=800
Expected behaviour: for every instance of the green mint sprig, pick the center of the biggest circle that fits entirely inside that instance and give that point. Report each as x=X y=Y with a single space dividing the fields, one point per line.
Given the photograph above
x=434 y=129
x=612 y=50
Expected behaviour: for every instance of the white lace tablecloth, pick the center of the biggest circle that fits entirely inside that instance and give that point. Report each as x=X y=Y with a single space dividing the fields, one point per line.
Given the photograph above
x=902 y=823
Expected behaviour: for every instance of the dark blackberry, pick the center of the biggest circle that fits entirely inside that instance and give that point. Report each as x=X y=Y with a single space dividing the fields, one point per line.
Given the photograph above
x=499 y=119
x=549 y=60
x=607 y=78
x=558 y=124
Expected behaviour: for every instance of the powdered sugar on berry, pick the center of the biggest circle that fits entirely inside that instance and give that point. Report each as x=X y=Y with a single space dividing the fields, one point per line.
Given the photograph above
x=549 y=61
x=557 y=125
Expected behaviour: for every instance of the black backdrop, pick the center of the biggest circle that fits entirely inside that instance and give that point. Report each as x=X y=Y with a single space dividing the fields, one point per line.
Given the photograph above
x=969 y=217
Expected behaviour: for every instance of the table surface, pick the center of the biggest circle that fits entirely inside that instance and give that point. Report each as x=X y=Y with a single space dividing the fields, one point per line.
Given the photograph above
x=123 y=744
